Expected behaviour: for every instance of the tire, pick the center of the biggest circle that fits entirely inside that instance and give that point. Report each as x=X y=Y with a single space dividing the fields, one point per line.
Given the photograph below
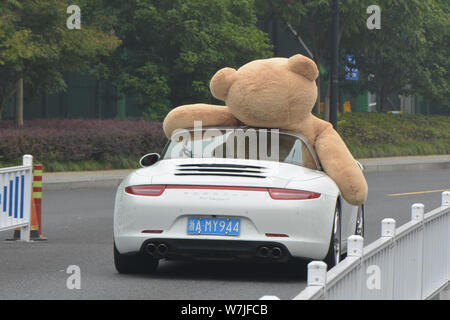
x=335 y=250
x=137 y=263
x=360 y=220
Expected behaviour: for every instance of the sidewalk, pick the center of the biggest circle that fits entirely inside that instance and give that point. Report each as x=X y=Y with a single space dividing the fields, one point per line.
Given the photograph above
x=112 y=178
x=409 y=163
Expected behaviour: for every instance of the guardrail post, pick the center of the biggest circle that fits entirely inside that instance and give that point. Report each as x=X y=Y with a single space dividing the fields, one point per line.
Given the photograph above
x=388 y=227
x=446 y=203
x=417 y=213
x=446 y=198
x=388 y=231
x=27 y=160
x=355 y=245
x=317 y=273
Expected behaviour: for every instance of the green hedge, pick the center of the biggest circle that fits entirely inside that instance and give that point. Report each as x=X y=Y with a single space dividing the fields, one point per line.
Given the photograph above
x=371 y=135
x=80 y=144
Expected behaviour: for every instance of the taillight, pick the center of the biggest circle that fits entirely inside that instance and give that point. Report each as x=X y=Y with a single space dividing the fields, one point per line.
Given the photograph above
x=152 y=231
x=290 y=194
x=275 y=193
x=279 y=235
x=152 y=190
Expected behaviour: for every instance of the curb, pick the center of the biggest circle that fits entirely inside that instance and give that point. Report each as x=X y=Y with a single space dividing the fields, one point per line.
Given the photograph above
x=413 y=163
x=83 y=180
x=112 y=178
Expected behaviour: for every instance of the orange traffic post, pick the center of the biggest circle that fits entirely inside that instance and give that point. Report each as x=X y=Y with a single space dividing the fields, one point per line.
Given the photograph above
x=36 y=207
x=37 y=200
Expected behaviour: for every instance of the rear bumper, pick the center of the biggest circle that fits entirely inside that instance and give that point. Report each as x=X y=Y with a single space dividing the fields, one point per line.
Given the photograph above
x=307 y=223
x=201 y=249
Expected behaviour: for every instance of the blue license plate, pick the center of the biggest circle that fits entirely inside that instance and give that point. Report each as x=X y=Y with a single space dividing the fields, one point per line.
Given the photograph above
x=214 y=226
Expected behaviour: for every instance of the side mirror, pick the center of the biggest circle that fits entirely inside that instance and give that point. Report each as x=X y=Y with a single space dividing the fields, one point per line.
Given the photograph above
x=149 y=159
x=360 y=165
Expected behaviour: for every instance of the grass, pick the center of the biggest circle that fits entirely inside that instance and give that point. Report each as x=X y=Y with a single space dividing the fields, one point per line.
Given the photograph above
x=412 y=148
x=117 y=162
x=382 y=135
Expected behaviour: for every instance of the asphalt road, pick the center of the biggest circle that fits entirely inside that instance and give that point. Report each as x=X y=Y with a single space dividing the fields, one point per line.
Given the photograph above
x=78 y=224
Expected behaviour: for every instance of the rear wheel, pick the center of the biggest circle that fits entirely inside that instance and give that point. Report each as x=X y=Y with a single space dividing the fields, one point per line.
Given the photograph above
x=335 y=251
x=136 y=263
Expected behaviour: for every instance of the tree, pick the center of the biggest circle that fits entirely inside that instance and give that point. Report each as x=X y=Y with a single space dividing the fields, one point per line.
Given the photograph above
x=172 y=48
x=408 y=54
x=36 y=44
x=312 y=21
x=389 y=58
x=432 y=80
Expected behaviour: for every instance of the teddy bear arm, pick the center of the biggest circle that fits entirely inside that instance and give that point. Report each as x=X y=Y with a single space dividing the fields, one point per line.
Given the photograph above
x=210 y=115
x=339 y=164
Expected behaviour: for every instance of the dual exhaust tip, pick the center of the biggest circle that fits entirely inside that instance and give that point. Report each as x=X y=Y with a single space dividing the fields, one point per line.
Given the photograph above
x=274 y=252
x=160 y=250
x=154 y=249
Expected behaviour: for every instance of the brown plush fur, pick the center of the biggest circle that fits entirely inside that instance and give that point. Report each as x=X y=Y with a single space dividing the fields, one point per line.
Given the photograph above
x=277 y=93
x=210 y=115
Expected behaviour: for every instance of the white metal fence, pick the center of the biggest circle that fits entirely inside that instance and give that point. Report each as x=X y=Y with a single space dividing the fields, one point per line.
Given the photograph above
x=410 y=262
x=15 y=197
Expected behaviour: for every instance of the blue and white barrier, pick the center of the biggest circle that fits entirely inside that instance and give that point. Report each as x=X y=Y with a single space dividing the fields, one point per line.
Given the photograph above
x=15 y=197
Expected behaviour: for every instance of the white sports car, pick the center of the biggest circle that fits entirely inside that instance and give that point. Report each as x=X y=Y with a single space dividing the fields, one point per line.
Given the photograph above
x=212 y=195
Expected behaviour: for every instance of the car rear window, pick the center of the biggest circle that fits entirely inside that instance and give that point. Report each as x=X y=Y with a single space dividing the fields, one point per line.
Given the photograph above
x=239 y=143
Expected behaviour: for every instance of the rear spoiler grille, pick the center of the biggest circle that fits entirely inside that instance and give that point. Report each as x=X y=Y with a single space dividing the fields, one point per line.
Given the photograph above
x=214 y=169
x=218 y=165
x=219 y=174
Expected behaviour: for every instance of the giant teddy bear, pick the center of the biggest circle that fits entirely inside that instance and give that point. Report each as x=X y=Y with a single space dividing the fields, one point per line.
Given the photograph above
x=276 y=93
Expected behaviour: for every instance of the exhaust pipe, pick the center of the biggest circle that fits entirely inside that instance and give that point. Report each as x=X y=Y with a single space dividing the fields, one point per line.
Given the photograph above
x=263 y=251
x=277 y=252
x=162 y=249
x=150 y=249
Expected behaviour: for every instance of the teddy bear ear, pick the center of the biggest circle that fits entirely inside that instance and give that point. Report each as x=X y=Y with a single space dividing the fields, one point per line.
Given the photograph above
x=221 y=82
x=303 y=66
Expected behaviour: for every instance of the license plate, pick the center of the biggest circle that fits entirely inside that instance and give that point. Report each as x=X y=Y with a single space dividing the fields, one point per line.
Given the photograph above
x=214 y=226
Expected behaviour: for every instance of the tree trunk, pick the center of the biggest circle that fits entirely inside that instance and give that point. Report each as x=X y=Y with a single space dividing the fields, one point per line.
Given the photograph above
x=382 y=99
x=19 y=103
x=379 y=102
x=121 y=106
x=2 y=105
x=4 y=100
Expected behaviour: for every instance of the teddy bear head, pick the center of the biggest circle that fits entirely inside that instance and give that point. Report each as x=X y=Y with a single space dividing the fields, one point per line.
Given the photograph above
x=273 y=93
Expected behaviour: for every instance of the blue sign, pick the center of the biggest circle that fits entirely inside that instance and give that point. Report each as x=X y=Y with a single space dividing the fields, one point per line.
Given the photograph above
x=351 y=71
x=351 y=59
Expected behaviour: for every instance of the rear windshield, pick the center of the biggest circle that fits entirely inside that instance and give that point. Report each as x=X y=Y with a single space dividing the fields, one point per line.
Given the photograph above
x=237 y=143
